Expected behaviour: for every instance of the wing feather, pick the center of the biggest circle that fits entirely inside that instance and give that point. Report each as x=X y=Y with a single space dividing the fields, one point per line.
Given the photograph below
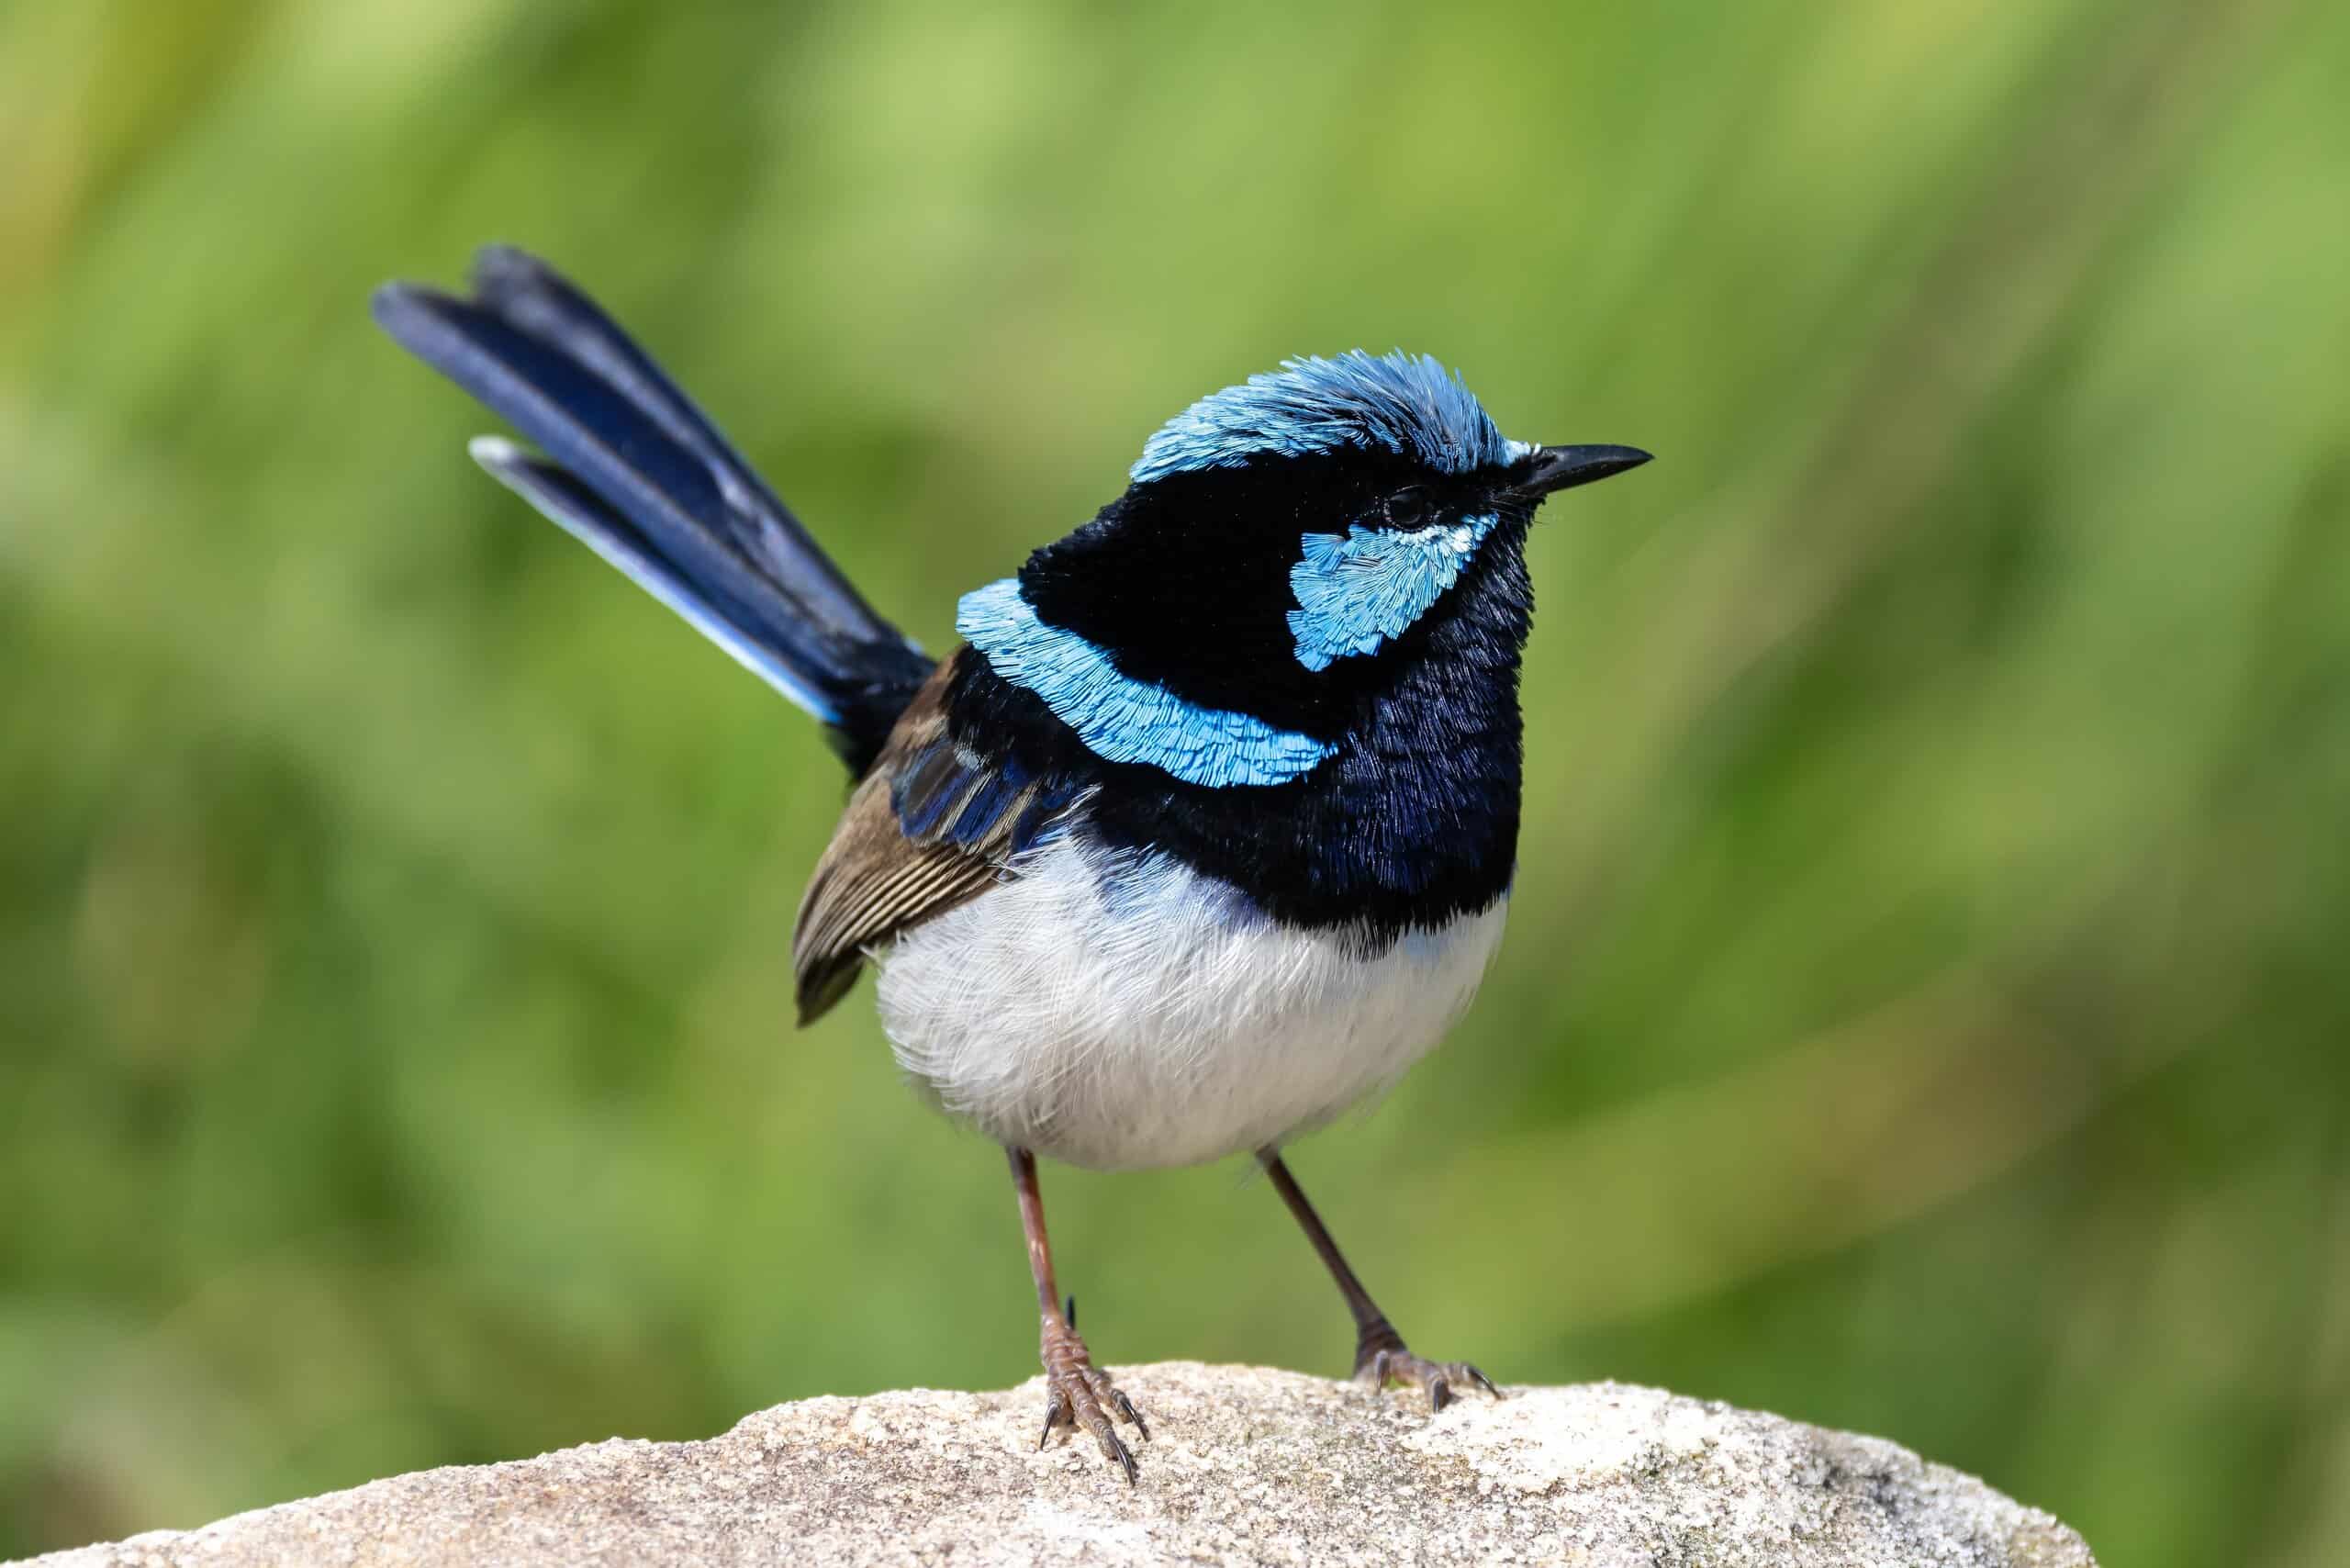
x=932 y=826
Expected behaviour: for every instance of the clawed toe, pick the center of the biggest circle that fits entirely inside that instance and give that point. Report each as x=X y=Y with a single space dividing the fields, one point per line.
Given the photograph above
x=1079 y=1394
x=1109 y=1395
x=1440 y=1380
x=1084 y=1410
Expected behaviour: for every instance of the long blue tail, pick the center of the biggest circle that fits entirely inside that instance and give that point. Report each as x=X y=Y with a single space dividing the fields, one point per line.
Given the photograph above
x=635 y=471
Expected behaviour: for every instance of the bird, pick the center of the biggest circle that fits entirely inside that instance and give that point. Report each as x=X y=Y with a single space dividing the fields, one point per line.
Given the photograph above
x=1205 y=831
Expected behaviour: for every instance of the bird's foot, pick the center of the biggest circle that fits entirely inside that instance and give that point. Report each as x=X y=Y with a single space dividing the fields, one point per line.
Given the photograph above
x=1079 y=1394
x=1381 y=1358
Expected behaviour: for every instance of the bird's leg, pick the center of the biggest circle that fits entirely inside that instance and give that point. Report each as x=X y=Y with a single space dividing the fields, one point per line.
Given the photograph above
x=1078 y=1394
x=1380 y=1355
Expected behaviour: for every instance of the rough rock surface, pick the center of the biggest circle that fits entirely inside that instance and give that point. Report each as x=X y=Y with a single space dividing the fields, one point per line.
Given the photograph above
x=1248 y=1466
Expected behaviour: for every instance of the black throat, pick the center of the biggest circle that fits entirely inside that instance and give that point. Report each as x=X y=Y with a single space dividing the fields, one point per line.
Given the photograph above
x=1410 y=825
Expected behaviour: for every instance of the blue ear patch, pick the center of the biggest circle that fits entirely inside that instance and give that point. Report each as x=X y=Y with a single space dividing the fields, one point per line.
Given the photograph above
x=1356 y=592
x=1395 y=402
x=1120 y=719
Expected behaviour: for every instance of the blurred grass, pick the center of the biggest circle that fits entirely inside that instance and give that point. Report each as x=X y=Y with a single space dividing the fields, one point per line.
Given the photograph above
x=1924 y=1008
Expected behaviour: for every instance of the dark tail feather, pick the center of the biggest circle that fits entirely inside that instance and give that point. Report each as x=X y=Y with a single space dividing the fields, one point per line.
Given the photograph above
x=583 y=514
x=645 y=480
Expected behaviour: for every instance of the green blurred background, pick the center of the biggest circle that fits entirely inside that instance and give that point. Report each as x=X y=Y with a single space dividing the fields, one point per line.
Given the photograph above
x=1925 y=1004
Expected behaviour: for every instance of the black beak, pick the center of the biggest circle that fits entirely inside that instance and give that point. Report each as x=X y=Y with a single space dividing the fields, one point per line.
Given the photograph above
x=1563 y=467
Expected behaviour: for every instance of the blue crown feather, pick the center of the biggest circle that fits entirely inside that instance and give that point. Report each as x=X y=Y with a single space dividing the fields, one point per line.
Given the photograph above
x=1404 y=403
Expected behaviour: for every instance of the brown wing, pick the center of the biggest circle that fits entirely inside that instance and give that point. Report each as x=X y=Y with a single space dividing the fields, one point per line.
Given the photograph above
x=930 y=828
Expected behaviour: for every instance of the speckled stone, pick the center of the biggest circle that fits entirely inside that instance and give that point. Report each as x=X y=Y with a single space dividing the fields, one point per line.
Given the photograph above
x=1249 y=1466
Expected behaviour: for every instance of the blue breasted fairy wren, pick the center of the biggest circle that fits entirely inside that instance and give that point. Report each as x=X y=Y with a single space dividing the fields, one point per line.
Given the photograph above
x=1205 y=832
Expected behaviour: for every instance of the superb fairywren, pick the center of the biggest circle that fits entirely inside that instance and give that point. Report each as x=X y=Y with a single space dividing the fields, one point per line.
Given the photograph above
x=1203 y=835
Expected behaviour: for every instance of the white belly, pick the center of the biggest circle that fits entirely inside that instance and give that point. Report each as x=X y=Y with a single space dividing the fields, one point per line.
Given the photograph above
x=1117 y=1011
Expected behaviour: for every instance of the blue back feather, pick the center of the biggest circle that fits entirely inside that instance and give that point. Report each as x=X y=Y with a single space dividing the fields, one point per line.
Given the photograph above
x=1120 y=719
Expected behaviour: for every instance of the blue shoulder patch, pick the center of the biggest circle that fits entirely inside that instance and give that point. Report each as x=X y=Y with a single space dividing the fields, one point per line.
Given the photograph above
x=1404 y=403
x=1120 y=719
x=1355 y=593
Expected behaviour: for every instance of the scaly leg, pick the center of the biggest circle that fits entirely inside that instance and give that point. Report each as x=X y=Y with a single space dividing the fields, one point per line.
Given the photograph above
x=1077 y=1391
x=1380 y=1355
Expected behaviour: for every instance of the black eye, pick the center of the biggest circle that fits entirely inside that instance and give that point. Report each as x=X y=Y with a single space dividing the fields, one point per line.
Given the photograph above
x=1409 y=507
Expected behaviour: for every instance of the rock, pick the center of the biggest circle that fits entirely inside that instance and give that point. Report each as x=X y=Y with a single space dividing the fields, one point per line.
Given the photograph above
x=1248 y=1466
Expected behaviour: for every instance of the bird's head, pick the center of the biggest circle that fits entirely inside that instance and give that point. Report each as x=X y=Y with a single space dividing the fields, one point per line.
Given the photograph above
x=1286 y=546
